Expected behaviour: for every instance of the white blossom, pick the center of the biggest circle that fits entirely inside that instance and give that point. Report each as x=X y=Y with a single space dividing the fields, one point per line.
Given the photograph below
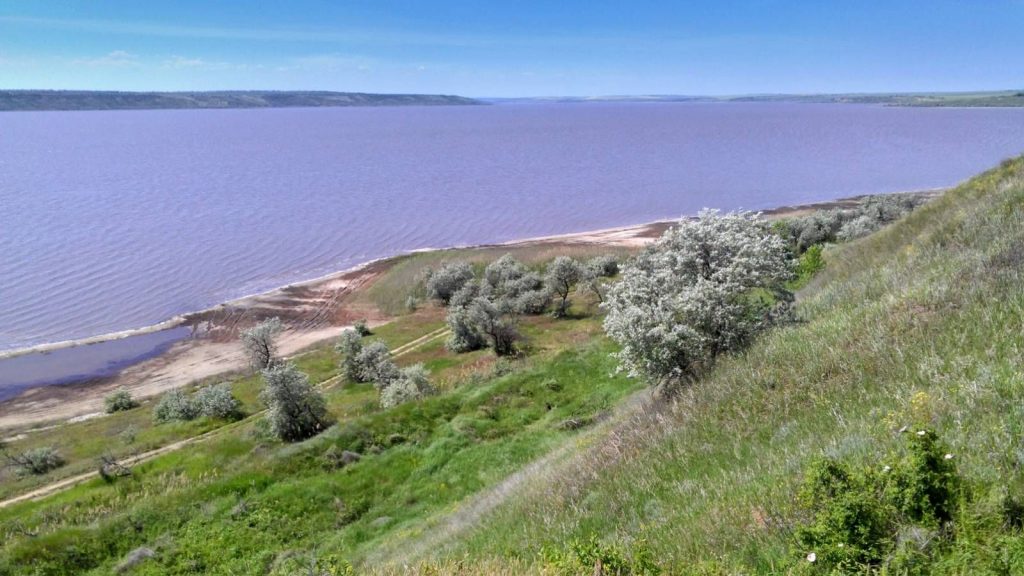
x=689 y=297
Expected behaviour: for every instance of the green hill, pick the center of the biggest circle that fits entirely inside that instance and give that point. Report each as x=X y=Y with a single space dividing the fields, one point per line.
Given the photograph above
x=107 y=100
x=555 y=463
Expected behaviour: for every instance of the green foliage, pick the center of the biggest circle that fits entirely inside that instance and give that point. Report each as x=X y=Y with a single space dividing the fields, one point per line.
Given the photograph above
x=810 y=263
x=591 y=556
x=118 y=401
x=899 y=516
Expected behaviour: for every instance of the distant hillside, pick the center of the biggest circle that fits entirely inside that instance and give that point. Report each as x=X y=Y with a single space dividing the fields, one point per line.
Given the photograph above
x=1011 y=98
x=96 y=100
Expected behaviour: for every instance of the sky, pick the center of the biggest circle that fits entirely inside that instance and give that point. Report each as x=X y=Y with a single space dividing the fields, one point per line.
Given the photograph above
x=515 y=48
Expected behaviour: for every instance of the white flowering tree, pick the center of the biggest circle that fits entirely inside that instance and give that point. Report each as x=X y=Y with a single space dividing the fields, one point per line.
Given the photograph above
x=705 y=287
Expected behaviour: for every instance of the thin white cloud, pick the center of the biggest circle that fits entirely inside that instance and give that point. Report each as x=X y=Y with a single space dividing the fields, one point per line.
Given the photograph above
x=117 y=58
x=183 y=62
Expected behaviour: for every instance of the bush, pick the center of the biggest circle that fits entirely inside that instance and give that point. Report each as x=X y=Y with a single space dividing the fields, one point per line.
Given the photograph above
x=362 y=328
x=375 y=365
x=118 y=401
x=36 y=461
x=218 y=402
x=465 y=335
x=412 y=383
x=176 y=405
x=295 y=410
x=691 y=296
x=810 y=263
x=861 y=520
x=443 y=283
x=603 y=266
x=592 y=556
x=349 y=345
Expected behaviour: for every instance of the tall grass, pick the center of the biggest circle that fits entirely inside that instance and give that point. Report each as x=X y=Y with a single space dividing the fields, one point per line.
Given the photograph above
x=920 y=323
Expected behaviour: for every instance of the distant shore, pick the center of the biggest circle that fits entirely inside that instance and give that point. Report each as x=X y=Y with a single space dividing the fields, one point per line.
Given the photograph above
x=312 y=311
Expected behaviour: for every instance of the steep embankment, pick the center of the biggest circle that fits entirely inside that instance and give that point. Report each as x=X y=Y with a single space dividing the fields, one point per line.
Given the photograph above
x=917 y=326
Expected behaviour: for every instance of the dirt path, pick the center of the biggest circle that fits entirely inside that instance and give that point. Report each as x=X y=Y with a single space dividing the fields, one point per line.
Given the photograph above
x=67 y=483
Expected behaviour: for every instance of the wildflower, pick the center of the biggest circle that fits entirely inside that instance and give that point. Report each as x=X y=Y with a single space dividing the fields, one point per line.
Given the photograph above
x=886 y=468
x=840 y=544
x=812 y=557
x=902 y=430
x=921 y=432
x=948 y=456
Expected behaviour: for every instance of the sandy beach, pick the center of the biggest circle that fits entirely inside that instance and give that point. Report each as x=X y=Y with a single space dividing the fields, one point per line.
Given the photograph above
x=311 y=311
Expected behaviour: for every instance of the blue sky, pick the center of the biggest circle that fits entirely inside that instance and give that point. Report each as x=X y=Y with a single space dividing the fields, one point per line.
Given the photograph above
x=521 y=48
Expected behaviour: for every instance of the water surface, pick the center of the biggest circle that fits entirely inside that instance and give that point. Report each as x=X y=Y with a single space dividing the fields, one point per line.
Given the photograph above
x=121 y=219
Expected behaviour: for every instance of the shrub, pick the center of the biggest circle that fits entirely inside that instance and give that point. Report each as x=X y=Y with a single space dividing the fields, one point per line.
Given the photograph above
x=295 y=411
x=349 y=345
x=176 y=405
x=465 y=335
x=36 y=461
x=259 y=344
x=603 y=266
x=810 y=263
x=375 y=365
x=496 y=325
x=118 y=401
x=562 y=276
x=862 y=520
x=592 y=556
x=690 y=296
x=218 y=402
x=362 y=328
x=443 y=283
x=412 y=383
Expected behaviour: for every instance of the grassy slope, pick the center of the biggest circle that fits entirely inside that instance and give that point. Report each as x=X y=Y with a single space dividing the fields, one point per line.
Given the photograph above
x=920 y=324
x=237 y=504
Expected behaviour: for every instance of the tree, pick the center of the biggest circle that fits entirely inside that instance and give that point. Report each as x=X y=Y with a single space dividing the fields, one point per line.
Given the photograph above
x=375 y=365
x=495 y=324
x=412 y=383
x=603 y=266
x=295 y=410
x=706 y=287
x=465 y=335
x=118 y=401
x=562 y=275
x=349 y=345
x=444 y=282
x=259 y=344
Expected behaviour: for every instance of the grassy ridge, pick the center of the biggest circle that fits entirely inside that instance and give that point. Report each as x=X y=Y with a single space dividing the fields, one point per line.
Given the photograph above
x=917 y=325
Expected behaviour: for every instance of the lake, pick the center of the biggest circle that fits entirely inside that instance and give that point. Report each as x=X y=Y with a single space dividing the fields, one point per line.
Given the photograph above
x=118 y=220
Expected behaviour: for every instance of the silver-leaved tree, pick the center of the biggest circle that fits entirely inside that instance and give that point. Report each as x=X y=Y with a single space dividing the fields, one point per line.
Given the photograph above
x=705 y=287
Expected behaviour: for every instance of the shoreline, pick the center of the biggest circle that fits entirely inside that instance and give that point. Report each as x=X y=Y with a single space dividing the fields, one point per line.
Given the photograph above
x=313 y=311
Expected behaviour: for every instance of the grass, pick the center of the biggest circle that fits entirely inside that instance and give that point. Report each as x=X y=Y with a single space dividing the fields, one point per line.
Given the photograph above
x=919 y=324
x=239 y=502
